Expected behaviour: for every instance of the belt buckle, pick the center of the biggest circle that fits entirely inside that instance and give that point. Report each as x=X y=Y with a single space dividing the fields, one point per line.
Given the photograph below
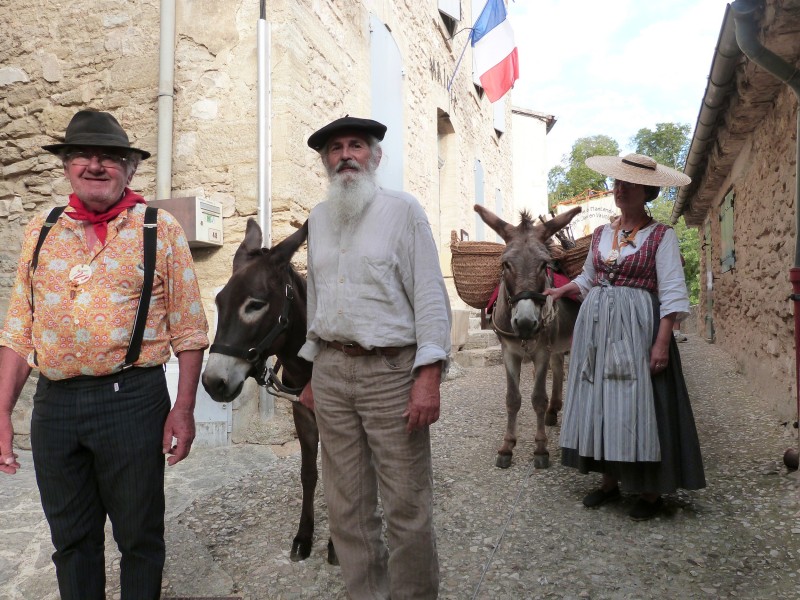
x=350 y=349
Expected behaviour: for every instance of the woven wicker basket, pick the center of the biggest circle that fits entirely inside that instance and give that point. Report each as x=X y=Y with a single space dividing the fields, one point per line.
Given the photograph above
x=571 y=262
x=476 y=269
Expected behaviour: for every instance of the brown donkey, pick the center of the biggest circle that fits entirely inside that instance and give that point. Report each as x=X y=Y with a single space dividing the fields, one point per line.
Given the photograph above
x=262 y=313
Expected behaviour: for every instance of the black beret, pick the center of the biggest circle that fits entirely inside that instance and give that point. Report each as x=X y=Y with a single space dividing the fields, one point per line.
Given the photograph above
x=320 y=137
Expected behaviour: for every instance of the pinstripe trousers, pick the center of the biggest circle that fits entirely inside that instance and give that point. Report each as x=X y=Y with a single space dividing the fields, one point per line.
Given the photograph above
x=359 y=403
x=97 y=452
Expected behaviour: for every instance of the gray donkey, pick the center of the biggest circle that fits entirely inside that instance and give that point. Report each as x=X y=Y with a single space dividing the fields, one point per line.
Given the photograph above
x=528 y=323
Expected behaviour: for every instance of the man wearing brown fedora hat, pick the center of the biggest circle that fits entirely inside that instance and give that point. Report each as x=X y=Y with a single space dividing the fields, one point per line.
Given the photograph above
x=379 y=338
x=104 y=292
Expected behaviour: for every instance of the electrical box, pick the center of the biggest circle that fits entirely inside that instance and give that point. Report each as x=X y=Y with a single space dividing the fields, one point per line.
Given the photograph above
x=201 y=219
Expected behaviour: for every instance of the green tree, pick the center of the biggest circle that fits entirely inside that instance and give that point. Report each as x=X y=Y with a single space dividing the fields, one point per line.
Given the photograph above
x=668 y=144
x=661 y=208
x=564 y=182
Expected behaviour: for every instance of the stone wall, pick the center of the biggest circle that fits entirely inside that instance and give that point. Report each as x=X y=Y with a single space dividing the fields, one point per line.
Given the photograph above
x=62 y=57
x=753 y=318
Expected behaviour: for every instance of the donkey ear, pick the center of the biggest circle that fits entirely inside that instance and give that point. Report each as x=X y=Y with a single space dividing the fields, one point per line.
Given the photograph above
x=558 y=223
x=284 y=251
x=251 y=242
x=503 y=229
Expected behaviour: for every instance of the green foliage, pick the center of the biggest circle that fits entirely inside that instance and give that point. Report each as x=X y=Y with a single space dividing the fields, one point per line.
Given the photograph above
x=668 y=145
x=564 y=182
x=661 y=209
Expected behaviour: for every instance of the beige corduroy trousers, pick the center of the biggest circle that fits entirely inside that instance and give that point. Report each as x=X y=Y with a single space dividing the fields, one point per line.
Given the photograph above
x=359 y=404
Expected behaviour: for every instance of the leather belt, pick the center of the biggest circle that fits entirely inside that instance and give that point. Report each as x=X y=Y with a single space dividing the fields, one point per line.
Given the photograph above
x=352 y=349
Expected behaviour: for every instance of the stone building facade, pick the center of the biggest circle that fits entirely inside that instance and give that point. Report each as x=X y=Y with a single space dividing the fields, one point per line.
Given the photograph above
x=58 y=57
x=742 y=199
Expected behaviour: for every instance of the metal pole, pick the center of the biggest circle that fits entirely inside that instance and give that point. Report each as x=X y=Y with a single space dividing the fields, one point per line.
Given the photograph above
x=264 y=129
x=266 y=402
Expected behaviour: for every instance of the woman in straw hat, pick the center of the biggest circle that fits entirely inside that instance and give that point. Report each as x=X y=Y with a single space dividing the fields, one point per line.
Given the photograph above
x=627 y=413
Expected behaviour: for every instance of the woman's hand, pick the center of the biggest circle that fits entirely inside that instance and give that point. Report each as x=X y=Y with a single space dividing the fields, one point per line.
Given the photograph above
x=560 y=292
x=659 y=353
x=659 y=358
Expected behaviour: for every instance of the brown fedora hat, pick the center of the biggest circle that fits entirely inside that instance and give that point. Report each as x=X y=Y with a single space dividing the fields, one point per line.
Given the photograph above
x=95 y=128
x=320 y=137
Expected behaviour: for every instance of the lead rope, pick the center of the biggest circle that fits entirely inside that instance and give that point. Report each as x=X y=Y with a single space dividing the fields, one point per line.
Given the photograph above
x=503 y=530
x=548 y=312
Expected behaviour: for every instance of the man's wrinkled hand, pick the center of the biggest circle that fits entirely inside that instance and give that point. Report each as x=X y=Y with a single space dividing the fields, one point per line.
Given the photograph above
x=307 y=397
x=423 y=405
x=180 y=426
x=8 y=458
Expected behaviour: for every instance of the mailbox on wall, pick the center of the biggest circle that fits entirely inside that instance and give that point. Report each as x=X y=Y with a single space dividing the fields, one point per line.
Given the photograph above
x=201 y=219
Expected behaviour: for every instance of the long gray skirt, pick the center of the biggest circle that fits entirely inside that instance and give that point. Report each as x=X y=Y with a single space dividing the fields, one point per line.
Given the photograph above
x=680 y=464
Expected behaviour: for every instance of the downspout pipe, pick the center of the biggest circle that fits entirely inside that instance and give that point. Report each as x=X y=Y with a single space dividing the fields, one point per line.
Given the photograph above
x=166 y=98
x=744 y=14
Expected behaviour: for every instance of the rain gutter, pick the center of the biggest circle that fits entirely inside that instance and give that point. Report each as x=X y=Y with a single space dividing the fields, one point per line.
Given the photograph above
x=721 y=79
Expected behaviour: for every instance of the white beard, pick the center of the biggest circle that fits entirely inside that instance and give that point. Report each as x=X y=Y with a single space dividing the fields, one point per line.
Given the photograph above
x=349 y=194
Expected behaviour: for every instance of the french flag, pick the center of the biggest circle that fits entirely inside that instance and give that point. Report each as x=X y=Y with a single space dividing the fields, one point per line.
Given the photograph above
x=494 y=51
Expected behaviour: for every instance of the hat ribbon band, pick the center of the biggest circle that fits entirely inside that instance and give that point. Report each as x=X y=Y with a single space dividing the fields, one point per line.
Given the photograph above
x=634 y=164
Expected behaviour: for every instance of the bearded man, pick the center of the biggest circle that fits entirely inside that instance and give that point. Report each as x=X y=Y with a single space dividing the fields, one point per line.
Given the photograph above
x=379 y=338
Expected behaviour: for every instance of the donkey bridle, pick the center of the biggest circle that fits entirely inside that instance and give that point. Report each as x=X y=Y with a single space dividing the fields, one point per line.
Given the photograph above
x=267 y=377
x=537 y=297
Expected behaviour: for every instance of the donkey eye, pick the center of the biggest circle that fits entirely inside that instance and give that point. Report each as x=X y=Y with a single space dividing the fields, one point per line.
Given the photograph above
x=254 y=305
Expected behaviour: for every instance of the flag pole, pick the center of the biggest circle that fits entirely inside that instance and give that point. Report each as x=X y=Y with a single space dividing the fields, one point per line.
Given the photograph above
x=469 y=37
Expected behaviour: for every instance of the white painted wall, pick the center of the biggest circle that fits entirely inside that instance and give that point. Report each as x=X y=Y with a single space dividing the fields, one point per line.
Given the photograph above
x=530 y=161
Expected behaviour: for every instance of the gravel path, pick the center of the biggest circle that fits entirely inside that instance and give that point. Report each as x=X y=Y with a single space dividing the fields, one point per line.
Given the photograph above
x=505 y=534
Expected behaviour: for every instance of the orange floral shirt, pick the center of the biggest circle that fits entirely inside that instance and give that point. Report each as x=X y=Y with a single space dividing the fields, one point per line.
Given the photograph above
x=84 y=301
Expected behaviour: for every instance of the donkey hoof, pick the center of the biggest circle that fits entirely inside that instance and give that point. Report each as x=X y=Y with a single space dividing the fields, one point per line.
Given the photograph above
x=551 y=419
x=541 y=461
x=332 y=558
x=503 y=461
x=301 y=550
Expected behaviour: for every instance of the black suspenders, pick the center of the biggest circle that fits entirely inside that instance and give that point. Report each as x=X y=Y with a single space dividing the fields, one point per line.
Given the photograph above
x=150 y=235
x=150 y=238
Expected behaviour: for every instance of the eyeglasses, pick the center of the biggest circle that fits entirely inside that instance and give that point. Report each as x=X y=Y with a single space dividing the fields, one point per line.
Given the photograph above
x=106 y=160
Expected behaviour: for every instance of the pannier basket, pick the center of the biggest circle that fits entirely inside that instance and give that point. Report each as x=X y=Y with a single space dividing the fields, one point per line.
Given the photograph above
x=571 y=262
x=476 y=269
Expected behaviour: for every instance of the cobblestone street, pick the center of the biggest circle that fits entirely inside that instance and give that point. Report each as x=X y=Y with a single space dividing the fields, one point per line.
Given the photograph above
x=505 y=534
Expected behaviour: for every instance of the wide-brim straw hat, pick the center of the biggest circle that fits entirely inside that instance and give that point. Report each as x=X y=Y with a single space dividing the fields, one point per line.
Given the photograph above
x=637 y=168
x=92 y=128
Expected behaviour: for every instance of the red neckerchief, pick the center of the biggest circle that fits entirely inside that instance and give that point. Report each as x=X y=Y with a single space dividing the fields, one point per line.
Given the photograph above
x=79 y=212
